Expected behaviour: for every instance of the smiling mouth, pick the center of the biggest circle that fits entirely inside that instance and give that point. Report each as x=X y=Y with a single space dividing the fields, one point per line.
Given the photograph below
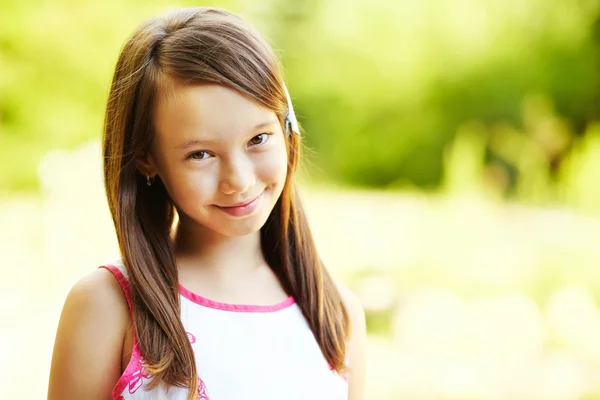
x=243 y=204
x=242 y=209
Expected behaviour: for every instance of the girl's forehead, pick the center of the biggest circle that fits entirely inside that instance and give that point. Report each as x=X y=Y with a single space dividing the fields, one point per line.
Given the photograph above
x=210 y=112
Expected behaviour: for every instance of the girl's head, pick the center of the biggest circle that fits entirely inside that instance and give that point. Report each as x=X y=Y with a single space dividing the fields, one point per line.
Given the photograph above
x=214 y=148
x=210 y=108
x=198 y=104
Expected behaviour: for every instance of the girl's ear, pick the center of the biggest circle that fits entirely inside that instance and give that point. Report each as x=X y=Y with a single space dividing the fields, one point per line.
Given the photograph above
x=146 y=165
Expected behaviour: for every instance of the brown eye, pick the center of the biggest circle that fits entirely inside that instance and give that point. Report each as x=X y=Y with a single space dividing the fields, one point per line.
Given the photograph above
x=199 y=155
x=259 y=139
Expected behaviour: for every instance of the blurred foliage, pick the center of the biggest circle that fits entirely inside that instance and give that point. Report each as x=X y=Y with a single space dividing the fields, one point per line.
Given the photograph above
x=391 y=94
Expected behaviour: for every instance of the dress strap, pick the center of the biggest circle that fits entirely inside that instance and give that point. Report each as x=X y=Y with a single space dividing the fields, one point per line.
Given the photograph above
x=123 y=282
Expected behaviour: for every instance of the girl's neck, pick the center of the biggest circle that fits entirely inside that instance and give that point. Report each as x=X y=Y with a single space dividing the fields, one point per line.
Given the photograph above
x=207 y=252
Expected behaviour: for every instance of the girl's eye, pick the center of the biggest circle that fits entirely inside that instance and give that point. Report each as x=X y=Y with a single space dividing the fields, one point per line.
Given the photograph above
x=259 y=139
x=199 y=155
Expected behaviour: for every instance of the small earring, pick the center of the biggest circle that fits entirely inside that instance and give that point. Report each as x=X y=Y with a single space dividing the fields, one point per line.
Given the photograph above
x=149 y=180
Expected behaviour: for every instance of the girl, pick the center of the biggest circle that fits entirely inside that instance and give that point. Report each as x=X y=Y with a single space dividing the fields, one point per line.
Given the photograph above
x=230 y=300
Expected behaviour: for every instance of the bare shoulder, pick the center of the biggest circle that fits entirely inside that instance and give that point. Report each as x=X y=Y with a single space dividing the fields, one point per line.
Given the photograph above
x=353 y=305
x=357 y=342
x=96 y=288
x=87 y=349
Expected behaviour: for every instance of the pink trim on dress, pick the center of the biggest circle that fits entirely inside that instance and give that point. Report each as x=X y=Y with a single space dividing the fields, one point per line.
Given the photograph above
x=134 y=373
x=191 y=337
x=133 y=377
x=203 y=301
x=202 y=392
x=123 y=282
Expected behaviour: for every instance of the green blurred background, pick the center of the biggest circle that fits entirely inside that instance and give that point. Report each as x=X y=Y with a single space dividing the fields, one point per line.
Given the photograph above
x=452 y=179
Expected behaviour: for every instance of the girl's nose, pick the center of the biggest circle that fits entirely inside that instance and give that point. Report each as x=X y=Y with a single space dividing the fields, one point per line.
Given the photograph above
x=237 y=177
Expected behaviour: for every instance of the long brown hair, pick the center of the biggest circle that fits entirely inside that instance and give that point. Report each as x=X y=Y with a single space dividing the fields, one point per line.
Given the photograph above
x=201 y=45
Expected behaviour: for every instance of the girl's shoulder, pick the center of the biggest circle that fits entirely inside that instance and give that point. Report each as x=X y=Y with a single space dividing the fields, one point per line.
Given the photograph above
x=100 y=300
x=106 y=287
x=92 y=326
x=102 y=296
x=352 y=303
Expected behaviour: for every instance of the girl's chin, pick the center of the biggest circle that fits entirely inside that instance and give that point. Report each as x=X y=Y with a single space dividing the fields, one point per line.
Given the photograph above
x=239 y=229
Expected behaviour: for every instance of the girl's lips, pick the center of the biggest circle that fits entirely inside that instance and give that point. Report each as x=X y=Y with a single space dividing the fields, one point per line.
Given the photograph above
x=244 y=209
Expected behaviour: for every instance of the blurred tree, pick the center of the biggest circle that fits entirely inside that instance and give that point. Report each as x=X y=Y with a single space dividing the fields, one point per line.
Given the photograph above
x=381 y=88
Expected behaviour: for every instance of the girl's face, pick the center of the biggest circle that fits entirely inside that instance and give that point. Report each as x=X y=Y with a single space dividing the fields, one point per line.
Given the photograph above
x=221 y=157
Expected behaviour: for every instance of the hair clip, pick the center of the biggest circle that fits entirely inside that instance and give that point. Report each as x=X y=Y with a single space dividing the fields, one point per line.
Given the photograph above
x=290 y=117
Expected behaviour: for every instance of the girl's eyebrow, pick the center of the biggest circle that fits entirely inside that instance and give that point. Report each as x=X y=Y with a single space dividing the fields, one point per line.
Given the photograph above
x=195 y=142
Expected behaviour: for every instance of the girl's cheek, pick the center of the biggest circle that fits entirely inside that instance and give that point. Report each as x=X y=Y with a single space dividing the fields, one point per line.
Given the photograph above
x=199 y=189
x=190 y=188
x=273 y=168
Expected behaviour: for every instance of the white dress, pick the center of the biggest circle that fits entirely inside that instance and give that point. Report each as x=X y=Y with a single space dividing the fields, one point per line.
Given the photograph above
x=242 y=352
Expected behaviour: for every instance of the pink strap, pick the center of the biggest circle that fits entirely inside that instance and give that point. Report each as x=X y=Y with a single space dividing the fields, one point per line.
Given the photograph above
x=123 y=282
x=134 y=361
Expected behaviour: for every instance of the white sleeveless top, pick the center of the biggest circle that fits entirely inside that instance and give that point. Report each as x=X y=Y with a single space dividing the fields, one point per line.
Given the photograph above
x=242 y=352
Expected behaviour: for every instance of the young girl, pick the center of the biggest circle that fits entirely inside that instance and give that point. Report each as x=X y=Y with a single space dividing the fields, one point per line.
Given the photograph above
x=230 y=300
